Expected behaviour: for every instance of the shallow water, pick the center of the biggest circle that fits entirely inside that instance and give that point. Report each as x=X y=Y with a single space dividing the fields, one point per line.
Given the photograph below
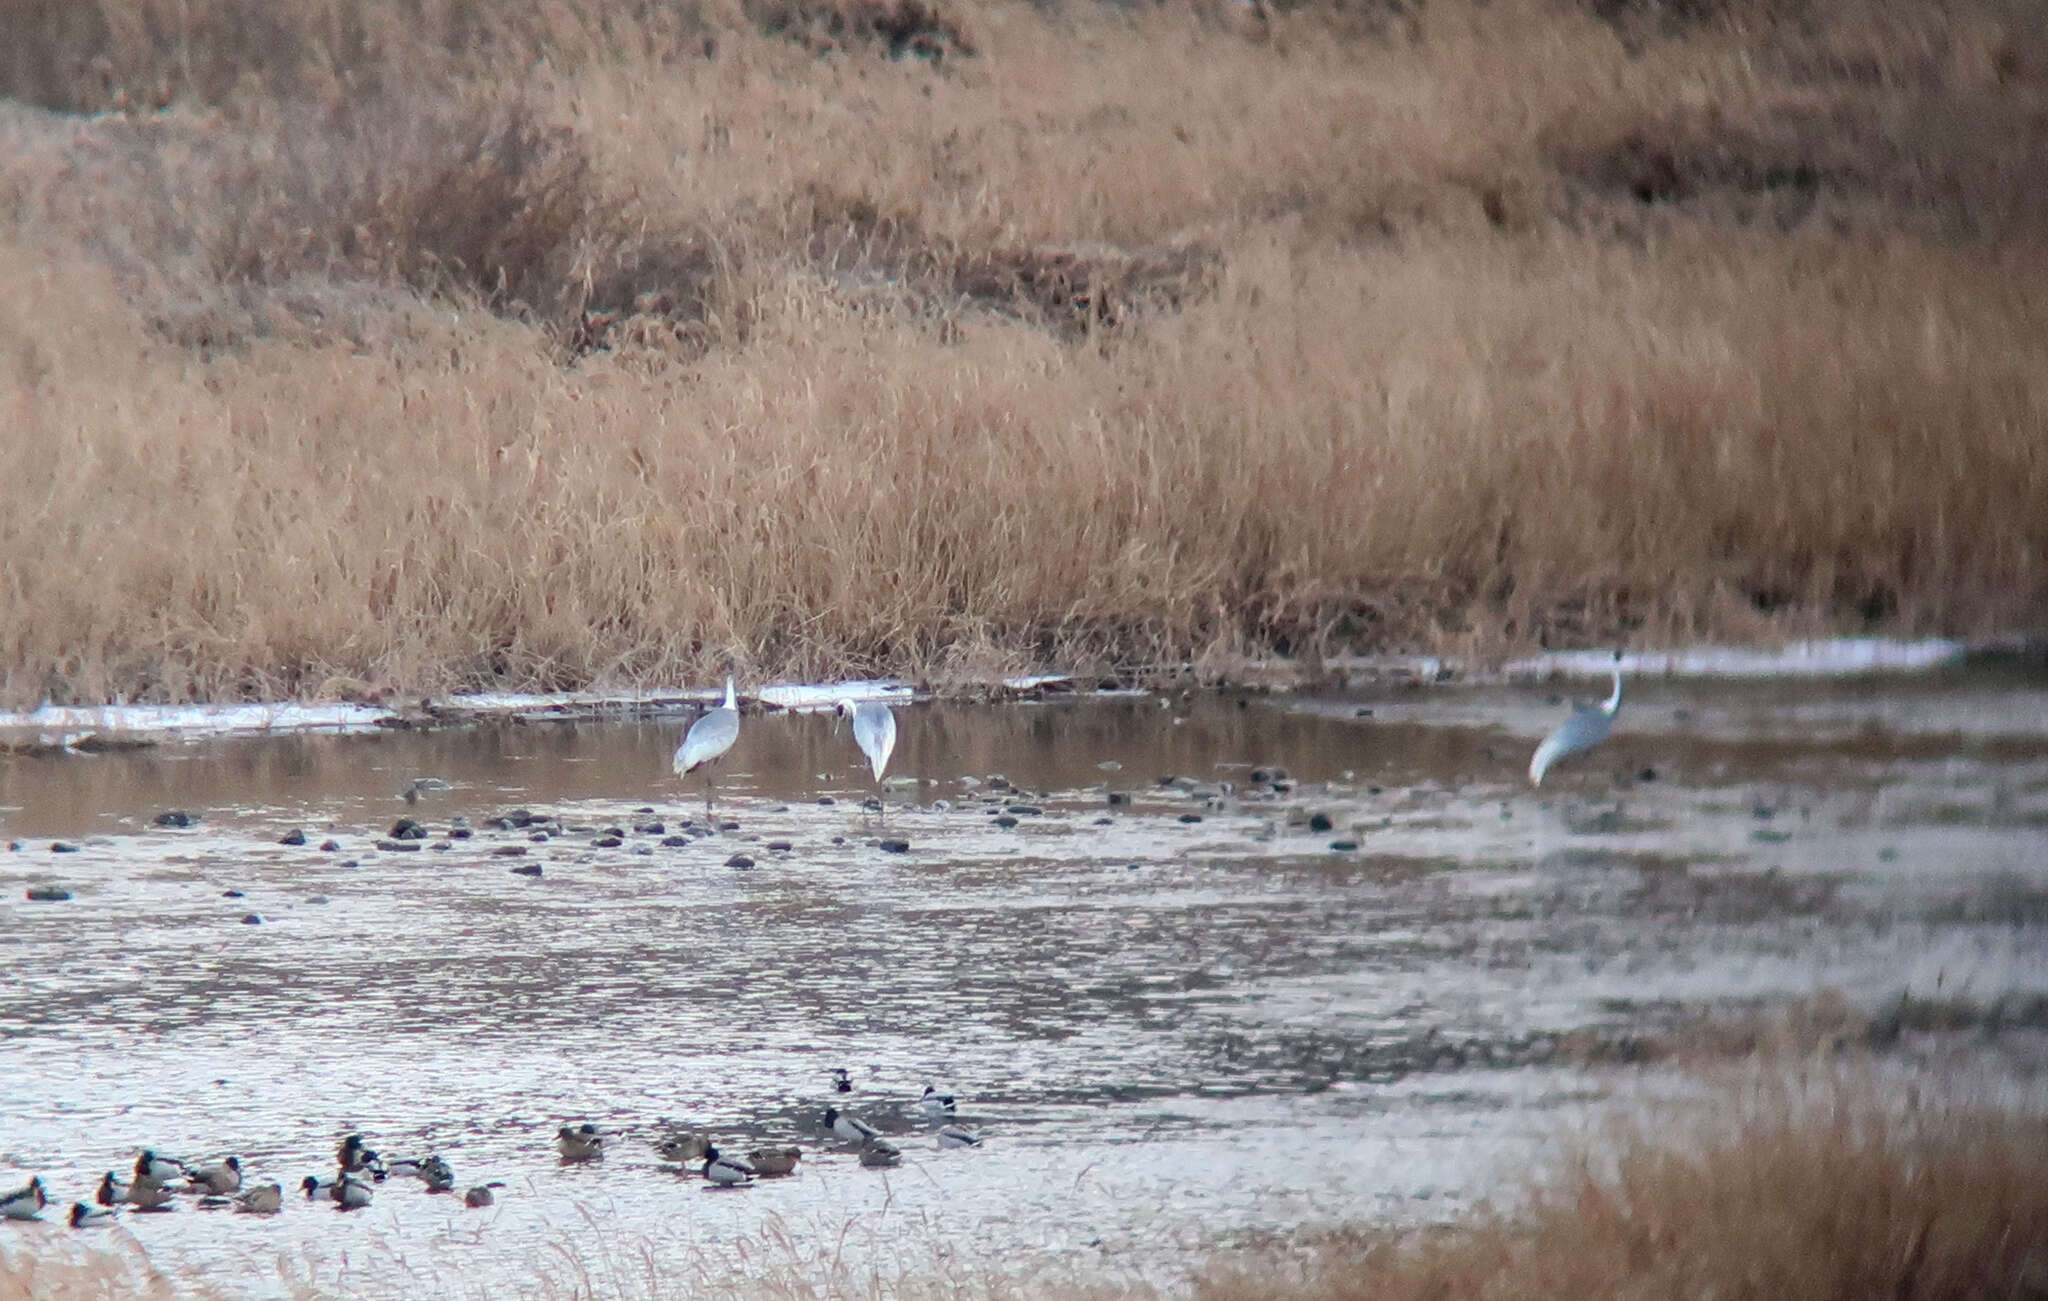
x=1179 y=1018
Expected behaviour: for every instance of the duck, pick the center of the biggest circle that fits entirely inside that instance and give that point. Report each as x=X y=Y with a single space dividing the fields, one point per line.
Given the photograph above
x=399 y=1168
x=877 y=1153
x=682 y=1148
x=148 y=1195
x=25 y=1202
x=263 y=1199
x=111 y=1192
x=841 y=1081
x=163 y=1169
x=958 y=1136
x=726 y=1171
x=351 y=1193
x=773 y=1161
x=439 y=1176
x=354 y=1154
x=848 y=1127
x=318 y=1189
x=937 y=1106
x=219 y=1180
x=85 y=1217
x=583 y=1142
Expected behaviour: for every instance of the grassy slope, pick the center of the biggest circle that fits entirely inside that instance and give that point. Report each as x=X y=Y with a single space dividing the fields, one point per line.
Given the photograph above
x=393 y=359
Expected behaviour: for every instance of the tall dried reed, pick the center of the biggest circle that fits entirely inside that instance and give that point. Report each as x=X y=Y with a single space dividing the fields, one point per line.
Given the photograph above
x=543 y=349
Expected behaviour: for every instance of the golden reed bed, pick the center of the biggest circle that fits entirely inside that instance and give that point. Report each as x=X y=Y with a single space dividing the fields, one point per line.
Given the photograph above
x=501 y=343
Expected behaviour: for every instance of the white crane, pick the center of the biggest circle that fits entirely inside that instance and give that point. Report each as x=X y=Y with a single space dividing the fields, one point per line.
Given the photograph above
x=1588 y=726
x=707 y=741
x=874 y=731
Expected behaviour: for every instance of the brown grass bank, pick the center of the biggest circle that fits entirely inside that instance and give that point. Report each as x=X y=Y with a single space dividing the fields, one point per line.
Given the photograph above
x=417 y=347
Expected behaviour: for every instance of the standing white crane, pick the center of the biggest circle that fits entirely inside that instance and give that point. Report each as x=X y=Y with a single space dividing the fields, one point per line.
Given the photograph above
x=707 y=741
x=1588 y=726
x=874 y=731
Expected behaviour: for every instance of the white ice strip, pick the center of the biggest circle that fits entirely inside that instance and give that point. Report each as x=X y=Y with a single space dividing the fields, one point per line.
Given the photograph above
x=61 y=725
x=1833 y=657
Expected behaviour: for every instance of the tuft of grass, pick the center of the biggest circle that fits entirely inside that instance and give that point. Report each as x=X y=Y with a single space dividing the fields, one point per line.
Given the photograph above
x=539 y=346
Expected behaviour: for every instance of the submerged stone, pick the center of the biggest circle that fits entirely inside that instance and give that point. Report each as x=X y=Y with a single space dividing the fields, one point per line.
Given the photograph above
x=1319 y=822
x=739 y=860
x=509 y=851
x=330 y=846
x=527 y=869
x=895 y=846
x=293 y=837
x=407 y=829
x=1005 y=821
x=252 y=919
x=48 y=894
x=399 y=846
x=606 y=842
x=177 y=818
x=63 y=847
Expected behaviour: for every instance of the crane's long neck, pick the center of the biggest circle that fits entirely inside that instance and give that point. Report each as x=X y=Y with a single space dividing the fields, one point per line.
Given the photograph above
x=1614 y=701
x=731 y=703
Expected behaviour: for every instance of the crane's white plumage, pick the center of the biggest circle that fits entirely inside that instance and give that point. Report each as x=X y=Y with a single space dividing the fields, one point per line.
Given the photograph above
x=1588 y=726
x=874 y=731
x=708 y=739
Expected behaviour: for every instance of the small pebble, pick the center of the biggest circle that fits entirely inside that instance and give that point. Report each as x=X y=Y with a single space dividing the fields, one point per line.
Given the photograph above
x=330 y=846
x=1319 y=822
x=895 y=846
x=539 y=837
x=606 y=842
x=231 y=894
x=407 y=829
x=62 y=847
x=400 y=846
x=826 y=799
x=177 y=818
x=1119 y=797
x=739 y=860
x=527 y=869
x=517 y=818
x=48 y=894
x=440 y=844
x=650 y=829
x=1006 y=821
x=293 y=837
x=1190 y=817
x=252 y=919
x=460 y=833
x=1026 y=810
x=509 y=851
x=1343 y=846
x=839 y=840
x=674 y=842
x=781 y=846
x=728 y=826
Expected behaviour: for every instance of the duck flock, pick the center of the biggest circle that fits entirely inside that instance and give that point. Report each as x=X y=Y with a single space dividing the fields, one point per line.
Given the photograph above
x=162 y=1183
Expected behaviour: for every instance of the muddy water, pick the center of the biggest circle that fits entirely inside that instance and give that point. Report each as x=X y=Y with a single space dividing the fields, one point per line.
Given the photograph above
x=1180 y=1011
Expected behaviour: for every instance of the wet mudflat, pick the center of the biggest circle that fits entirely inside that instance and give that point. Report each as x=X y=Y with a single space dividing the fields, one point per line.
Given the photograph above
x=1197 y=968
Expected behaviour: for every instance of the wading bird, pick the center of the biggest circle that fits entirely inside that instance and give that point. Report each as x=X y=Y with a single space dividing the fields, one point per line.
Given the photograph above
x=707 y=741
x=1587 y=727
x=874 y=731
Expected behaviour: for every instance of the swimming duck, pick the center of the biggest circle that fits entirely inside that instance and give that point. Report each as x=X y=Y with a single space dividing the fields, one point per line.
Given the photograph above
x=958 y=1136
x=148 y=1195
x=583 y=1142
x=354 y=1154
x=726 y=1171
x=263 y=1199
x=111 y=1192
x=26 y=1201
x=682 y=1148
x=351 y=1193
x=848 y=1128
x=877 y=1153
x=841 y=1081
x=318 y=1189
x=163 y=1169
x=398 y=1168
x=218 y=1180
x=771 y=1161
x=84 y=1216
x=439 y=1177
x=937 y=1106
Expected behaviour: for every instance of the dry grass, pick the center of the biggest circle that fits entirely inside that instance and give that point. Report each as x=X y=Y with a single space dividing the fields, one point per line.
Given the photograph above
x=627 y=347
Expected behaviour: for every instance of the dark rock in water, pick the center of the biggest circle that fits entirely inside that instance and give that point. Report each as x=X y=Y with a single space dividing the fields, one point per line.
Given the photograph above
x=728 y=826
x=644 y=808
x=826 y=799
x=407 y=829
x=1105 y=822
x=620 y=832
x=318 y=898
x=439 y=845
x=1168 y=780
x=460 y=833
x=895 y=846
x=48 y=894
x=231 y=894
x=1319 y=822
x=1281 y=788
x=650 y=829
x=293 y=837
x=739 y=860
x=1372 y=790
x=62 y=847
x=177 y=818
x=780 y=846
x=1647 y=775
x=1119 y=797
x=1343 y=846
x=330 y=846
x=539 y=837
x=252 y=919
x=1261 y=776
x=509 y=851
x=998 y=782
x=606 y=842
x=1005 y=821
x=350 y=862
x=839 y=840
x=498 y=824
x=1026 y=810
x=1190 y=817
x=517 y=818
x=527 y=869
x=399 y=846
x=643 y=849
x=674 y=842
x=14 y=845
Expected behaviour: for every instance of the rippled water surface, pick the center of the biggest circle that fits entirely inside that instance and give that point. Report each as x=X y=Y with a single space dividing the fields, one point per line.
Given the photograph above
x=1348 y=964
